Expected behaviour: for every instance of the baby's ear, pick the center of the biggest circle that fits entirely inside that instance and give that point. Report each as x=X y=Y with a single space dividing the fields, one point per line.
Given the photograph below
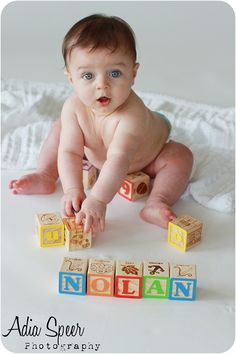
x=136 y=66
x=68 y=75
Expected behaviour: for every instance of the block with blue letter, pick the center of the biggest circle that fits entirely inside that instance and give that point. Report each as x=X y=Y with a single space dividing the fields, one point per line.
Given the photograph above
x=183 y=282
x=72 y=276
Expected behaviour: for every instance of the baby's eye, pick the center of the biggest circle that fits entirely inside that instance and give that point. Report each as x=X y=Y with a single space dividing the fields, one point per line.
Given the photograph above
x=115 y=73
x=87 y=76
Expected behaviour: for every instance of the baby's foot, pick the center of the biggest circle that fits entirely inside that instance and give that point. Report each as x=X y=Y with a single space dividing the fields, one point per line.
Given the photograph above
x=33 y=183
x=157 y=213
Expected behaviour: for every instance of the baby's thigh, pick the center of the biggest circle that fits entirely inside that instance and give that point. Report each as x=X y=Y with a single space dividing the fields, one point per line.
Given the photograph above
x=172 y=153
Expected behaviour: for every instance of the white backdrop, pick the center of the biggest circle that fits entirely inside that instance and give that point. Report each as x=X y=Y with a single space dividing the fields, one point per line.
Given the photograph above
x=186 y=48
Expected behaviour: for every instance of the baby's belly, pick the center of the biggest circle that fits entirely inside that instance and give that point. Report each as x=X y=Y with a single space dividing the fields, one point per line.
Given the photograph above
x=141 y=160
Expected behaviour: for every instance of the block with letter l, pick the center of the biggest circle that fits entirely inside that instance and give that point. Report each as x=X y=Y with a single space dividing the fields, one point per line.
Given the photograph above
x=128 y=281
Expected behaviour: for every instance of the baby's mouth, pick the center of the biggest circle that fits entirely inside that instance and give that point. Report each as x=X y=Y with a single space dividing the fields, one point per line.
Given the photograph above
x=104 y=101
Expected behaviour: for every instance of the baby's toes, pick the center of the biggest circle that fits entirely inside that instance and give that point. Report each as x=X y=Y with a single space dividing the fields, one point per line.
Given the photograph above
x=12 y=183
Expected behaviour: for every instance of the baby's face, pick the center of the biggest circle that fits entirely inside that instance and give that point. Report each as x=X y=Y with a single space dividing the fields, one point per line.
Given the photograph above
x=101 y=79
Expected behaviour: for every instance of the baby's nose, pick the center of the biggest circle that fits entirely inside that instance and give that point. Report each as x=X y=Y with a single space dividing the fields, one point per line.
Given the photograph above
x=102 y=82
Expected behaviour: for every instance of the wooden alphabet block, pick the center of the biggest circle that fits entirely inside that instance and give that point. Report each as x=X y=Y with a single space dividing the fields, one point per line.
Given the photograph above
x=183 y=282
x=184 y=232
x=128 y=281
x=89 y=174
x=75 y=237
x=156 y=280
x=50 y=229
x=72 y=276
x=135 y=186
x=100 y=277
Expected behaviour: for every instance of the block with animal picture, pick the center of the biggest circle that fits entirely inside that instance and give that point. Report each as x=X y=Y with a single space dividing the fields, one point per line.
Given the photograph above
x=50 y=229
x=72 y=276
x=75 y=237
x=128 y=282
x=135 y=186
x=156 y=279
x=183 y=282
x=89 y=174
x=100 y=277
x=184 y=232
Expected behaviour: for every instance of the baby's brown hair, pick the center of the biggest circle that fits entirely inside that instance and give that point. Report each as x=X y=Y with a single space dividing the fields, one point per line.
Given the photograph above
x=100 y=31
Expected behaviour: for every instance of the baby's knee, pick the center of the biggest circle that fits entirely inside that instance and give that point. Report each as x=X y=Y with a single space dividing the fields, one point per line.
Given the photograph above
x=181 y=156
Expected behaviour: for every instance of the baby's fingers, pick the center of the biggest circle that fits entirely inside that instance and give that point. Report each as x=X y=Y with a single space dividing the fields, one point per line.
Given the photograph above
x=68 y=210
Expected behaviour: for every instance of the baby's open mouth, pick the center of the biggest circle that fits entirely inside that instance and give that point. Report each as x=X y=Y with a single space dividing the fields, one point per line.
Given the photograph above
x=104 y=100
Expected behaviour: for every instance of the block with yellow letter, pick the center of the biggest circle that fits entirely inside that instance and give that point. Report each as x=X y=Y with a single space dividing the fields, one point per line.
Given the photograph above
x=184 y=232
x=100 y=277
x=156 y=280
x=72 y=276
x=75 y=237
x=183 y=282
x=50 y=229
x=128 y=281
x=135 y=186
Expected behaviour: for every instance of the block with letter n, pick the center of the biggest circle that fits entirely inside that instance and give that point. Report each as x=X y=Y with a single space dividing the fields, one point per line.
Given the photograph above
x=183 y=282
x=128 y=281
x=72 y=276
x=156 y=280
x=50 y=229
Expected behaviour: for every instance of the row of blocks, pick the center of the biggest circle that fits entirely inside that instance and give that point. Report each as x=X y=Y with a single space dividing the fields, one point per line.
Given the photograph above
x=128 y=279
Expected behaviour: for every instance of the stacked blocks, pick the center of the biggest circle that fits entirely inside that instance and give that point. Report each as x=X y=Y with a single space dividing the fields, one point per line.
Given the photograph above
x=156 y=280
x=75 y=237
x=72 y=276
x=50 y=229
x=135 y=186
x=134 y=280
x=100 y=278
x=89 y=174
x=184 y=232
x=183 y=282
x=128 y=279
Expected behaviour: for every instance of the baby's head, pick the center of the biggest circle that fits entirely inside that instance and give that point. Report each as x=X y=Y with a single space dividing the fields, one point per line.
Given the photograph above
x=100 y=32
x=100 y=59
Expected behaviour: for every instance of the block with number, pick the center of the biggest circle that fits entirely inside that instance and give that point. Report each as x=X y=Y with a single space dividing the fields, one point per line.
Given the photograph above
x=184 y=232
x=89 y=174
x=135 y=186
x=50 y=229
x=75 y=237
x=100 y=277
x=72 y=276
x=128 y=282
x=156 y=280
x=183 y=282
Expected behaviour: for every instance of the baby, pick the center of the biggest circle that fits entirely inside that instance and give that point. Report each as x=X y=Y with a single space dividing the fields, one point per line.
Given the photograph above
x=108 y=123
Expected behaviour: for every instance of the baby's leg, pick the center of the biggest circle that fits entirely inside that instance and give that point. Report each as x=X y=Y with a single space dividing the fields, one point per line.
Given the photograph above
x=171 y=169
x=43 y=181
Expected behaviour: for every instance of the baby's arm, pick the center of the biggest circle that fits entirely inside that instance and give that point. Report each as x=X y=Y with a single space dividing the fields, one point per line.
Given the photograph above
x=70 y=156
x=119 y=156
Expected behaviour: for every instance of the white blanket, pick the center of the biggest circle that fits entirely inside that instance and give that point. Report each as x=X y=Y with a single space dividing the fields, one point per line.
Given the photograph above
x=29 y=109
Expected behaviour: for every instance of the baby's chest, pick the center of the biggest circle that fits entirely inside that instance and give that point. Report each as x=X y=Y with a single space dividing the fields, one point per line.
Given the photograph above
x=100 y=134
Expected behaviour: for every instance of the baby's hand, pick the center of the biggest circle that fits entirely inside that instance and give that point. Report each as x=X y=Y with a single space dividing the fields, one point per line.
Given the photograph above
x=72 y=200
x=93 y=212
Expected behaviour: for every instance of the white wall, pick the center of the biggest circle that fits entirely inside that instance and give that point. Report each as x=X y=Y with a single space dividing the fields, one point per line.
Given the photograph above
x=186 y=49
